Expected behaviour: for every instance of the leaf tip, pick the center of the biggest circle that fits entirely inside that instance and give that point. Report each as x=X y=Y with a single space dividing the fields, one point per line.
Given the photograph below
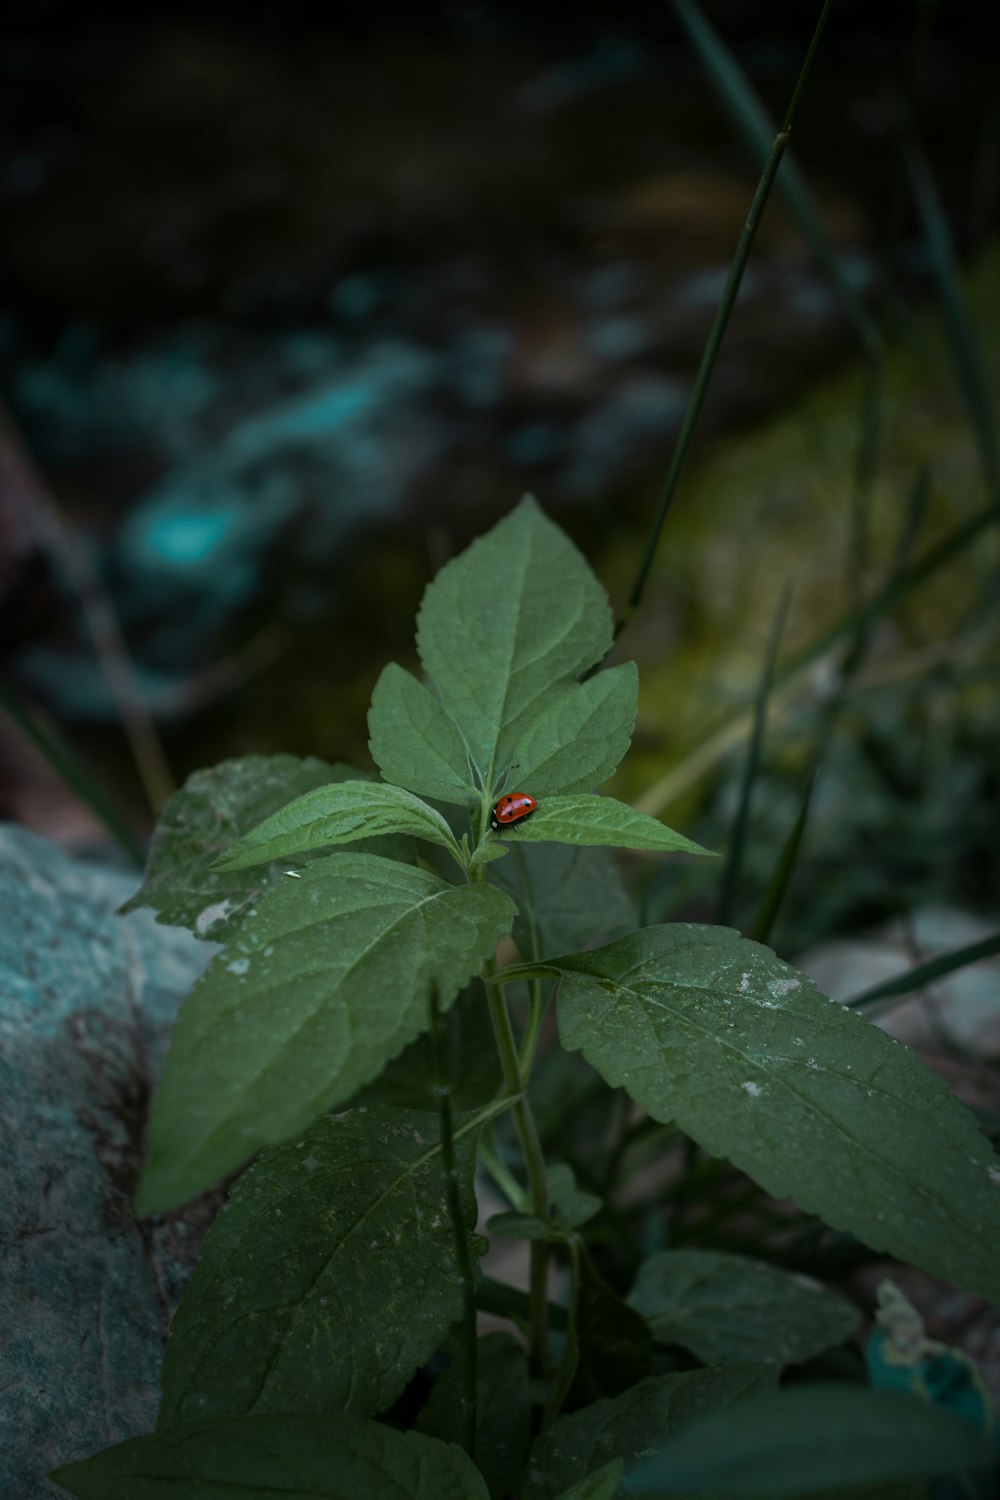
x=153 y=1195
x=227 y=860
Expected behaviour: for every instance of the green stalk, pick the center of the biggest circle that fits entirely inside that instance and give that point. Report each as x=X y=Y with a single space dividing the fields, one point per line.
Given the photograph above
x=757 y=130
x=498 y=1169
x=508 y=1301
x=470 y=1347
x=737 y=842
x=781 y=875
x=524 y=1123
x=729 y=295
x=926 y=973
x=540 y=994
x=853 y=657
x=536 y=1015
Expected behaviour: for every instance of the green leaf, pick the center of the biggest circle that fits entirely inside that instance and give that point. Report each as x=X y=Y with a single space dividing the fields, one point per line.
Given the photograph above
x=340 y=813
x=329 y=1276
x=517 y=616
x=486 y=853
x=329 y=1457
x=614 y=1344
x=597 y=820
x=571 y=1104
x=581 y=734
x=503 y=1430
x=809 y=1438
x=326 y=980
x=514 y=1226
x=601 y=1485
x=566 y=897
x=727 y=1309
x=715 y=1033
x=571 y=1207
x=629 y=1425
x=211 y=811
x=415 y=741
x=565 y=1372
x=469 y=1055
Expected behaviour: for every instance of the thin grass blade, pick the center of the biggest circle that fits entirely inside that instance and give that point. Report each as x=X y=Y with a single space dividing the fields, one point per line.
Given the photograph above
x=708 y=751
x=758 y=130
x=715 y=337
x=924 y=974
x=781 y=876
x=737 y=843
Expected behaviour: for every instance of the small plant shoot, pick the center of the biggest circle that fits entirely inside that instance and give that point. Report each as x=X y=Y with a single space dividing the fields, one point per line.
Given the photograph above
x=368 y=1046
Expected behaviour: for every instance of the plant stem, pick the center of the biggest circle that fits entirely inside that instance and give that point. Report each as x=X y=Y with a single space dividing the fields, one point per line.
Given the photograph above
x=442 y=1090
x=729 y=295
x=524 y=1122
x=737 y=842
x=781 y=875
x=501 y=1173
x=536 y=1015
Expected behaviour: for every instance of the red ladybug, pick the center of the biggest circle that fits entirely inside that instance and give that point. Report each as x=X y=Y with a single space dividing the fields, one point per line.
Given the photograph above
x=513 y=808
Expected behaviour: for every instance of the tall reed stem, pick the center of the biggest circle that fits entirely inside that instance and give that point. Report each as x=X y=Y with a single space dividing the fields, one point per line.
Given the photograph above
x=729 y=295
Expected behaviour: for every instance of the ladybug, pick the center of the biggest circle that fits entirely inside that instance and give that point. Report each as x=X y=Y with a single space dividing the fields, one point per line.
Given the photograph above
x=511 y=809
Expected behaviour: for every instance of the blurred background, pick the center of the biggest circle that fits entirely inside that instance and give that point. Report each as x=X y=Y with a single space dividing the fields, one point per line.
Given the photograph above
x=295 y=308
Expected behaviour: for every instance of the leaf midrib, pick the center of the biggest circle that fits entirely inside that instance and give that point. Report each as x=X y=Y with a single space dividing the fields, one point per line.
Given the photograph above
x=724 y=1044
x=293 y=1309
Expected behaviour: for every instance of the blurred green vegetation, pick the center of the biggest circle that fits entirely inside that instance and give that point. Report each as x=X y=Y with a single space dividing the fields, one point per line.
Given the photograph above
x=909 y=782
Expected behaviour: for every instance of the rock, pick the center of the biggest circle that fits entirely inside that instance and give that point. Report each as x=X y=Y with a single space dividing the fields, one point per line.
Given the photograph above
x=87 y=999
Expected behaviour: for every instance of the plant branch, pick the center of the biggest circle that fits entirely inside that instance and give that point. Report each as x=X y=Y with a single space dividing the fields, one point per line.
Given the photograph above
x=442 y=1090
x=524 y=1122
